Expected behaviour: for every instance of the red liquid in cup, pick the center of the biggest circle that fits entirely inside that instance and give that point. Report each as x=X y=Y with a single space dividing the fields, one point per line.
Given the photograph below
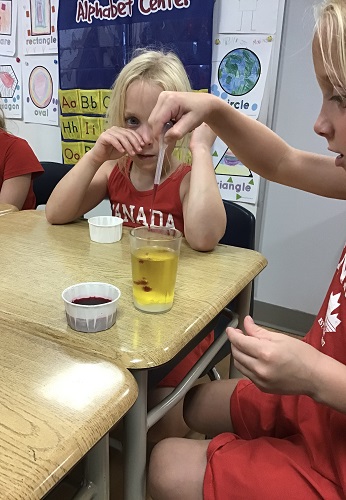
x=91 y=301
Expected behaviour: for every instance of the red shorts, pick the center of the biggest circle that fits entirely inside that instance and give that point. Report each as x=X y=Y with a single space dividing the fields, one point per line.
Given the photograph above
x=265 y=459
x=176 y=375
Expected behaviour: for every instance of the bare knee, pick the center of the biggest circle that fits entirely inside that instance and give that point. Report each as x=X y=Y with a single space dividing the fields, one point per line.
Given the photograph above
x=207 y=407
x=177 y=468
x=161 y=470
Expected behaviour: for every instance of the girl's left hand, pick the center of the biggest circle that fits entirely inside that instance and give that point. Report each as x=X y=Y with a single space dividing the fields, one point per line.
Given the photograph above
x=275 y=362
x=202 y=135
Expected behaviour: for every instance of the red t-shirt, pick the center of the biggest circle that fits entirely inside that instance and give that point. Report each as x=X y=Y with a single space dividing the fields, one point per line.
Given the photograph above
x=290 y=442
x=17 y=158
x=134 y=206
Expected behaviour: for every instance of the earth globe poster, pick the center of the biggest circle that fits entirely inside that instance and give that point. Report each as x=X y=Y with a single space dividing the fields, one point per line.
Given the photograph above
x=239 y=71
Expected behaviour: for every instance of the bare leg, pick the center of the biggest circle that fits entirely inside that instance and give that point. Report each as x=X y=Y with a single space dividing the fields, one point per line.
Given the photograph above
x=177 y=468
x=207 y=407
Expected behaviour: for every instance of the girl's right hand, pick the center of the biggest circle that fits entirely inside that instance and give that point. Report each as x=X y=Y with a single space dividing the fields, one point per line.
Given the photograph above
x=114 y=143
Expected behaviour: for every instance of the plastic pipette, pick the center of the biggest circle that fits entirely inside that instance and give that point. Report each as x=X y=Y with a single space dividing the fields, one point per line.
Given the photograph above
x=161 y=155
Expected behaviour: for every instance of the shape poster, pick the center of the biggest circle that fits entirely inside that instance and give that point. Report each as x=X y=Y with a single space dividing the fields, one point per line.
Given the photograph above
x=248 y=16
x=239 y=70
x=8 y=24
x=235 y=181
x=11 y=87
x=39 y=20
x=40 y=83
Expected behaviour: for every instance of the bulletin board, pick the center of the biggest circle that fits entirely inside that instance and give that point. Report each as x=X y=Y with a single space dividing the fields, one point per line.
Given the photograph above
x=97 y=38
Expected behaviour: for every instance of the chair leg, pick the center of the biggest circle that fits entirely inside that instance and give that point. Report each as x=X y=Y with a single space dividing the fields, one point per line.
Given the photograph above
x=213 y=374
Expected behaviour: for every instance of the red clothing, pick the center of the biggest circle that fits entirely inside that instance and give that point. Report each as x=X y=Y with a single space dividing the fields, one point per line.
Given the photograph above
x=17 y=158
x=134 y=207
x=286 y=446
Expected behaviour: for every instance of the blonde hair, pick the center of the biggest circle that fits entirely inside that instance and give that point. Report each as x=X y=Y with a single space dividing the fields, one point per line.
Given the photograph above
x=154 y=66
x=330 y=30
x=2 y=120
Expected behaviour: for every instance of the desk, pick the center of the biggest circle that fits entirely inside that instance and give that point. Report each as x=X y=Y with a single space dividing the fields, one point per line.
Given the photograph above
x=6 y=208
x=55 y=405
x=40 y=260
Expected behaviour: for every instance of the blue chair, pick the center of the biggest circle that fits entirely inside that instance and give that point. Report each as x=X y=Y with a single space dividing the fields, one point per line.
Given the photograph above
x=45 y=183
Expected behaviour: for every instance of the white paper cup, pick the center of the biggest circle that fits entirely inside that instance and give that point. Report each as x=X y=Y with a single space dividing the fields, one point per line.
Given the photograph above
x=105 y=228
x=87 y=318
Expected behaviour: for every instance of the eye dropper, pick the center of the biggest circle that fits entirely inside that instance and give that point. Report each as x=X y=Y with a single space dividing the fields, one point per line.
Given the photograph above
x=161 y=155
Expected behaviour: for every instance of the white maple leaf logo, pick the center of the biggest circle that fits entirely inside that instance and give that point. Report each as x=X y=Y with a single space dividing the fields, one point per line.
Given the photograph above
x=332 y=321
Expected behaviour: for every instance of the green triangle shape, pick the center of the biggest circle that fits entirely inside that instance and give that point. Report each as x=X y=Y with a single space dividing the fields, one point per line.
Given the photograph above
x=251 y=182
x=237 y=196
x=230 y=180
x=215 y=154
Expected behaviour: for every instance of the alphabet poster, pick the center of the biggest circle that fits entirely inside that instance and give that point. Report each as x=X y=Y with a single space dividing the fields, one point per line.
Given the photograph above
x=11 y=87
x=39 y=19
x=97 y=38
x=8 y=25
x=41 y=90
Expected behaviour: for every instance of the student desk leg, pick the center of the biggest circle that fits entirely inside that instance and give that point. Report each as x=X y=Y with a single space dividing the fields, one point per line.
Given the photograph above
x=136 y=418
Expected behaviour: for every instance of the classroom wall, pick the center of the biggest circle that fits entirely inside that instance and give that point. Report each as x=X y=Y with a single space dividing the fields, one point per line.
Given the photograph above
x=301 y=235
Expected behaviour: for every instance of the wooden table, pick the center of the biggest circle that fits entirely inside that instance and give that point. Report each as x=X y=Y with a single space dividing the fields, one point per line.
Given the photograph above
x=6 y=208
x=55 y=405
x=40 y=260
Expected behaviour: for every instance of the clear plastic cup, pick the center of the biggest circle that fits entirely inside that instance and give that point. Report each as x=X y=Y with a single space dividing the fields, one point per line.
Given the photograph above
x=154 y=259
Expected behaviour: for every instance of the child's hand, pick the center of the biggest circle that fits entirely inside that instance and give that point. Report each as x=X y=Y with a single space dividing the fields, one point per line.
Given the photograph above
x=275 y=362
x=115 y=143
x=202 y=135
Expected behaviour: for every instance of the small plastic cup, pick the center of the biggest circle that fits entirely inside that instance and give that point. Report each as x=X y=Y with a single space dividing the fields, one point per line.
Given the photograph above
x=154 y=259
x=105 y=229
x=91 y=307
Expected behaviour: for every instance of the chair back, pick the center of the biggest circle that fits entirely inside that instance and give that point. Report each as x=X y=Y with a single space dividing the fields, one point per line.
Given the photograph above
x=240 y=232
x=45 y=183
x=241 y=226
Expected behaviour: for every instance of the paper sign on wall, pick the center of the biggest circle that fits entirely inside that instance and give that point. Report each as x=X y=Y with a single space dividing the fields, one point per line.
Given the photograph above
x=39 y=20
x=239 y=70
x=8 y=25
x=248 y=16
x=40 y=75
x=11 y=87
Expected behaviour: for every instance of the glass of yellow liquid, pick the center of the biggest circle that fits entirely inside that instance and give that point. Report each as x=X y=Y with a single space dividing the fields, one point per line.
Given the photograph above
x=154 y=259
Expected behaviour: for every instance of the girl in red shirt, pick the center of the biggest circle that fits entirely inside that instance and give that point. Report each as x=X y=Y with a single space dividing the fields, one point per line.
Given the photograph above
x=121 y=166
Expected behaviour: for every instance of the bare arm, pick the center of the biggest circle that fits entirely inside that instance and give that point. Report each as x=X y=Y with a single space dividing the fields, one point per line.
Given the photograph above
x=278 y=363
x=260 y=149
x=85 y=185
x=15 y=190
x=204 y=213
